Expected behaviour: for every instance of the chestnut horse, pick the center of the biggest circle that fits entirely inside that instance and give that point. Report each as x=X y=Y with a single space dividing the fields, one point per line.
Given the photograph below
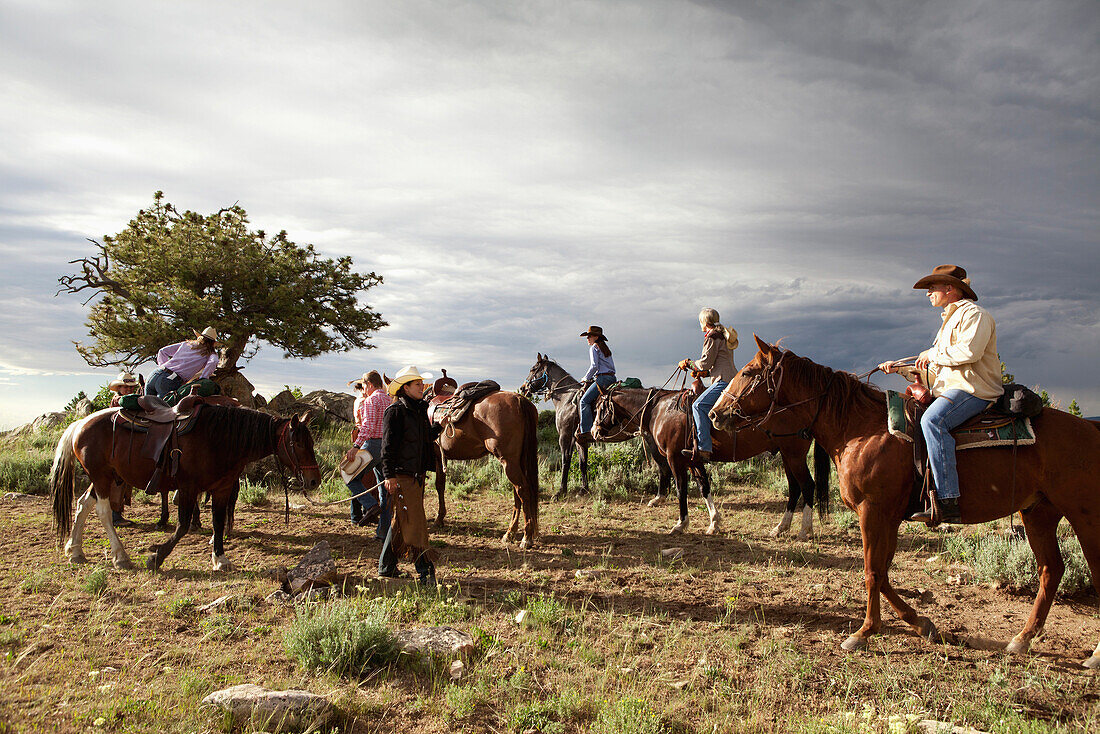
x=213 y=455
x=1058 y=476
x=655 y=413
x=505 y=425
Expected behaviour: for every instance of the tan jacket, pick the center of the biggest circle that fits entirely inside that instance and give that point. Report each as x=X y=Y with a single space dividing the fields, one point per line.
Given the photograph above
x=716 y=358
x=964 y=354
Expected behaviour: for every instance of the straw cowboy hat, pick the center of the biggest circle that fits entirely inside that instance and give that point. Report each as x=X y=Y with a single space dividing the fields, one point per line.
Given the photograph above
x=948 y=275
x=209 y=333
x=124 y=379
x=349 y=470
x=407 y=374
x=596 y=331
x=358 y=382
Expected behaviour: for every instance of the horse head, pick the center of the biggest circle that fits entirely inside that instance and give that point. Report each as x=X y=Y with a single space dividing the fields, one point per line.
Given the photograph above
x=294 y=450
x=541 y=379
x=606 y=418
x=752 y=392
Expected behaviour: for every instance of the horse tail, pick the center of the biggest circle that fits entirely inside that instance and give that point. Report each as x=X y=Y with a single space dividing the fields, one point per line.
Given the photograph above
x=823 y=465
x=63 y=482
x=529 y=458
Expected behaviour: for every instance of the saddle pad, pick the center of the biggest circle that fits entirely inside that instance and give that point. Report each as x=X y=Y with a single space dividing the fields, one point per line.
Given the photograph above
x=999 y=433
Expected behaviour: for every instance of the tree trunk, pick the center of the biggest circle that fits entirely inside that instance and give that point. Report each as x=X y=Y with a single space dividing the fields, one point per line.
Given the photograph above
x=233 y=350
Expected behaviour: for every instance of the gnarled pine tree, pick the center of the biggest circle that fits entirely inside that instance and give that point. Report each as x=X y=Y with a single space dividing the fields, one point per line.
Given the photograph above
x=169 y=272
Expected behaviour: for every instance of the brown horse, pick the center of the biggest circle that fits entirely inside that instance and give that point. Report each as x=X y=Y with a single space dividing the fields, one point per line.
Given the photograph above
x=656 y=413
x=1057 y=477
x=213 y=455
x=505 y=425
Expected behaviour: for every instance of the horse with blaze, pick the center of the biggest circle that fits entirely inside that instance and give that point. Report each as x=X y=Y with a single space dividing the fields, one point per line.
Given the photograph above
x=1058 y=476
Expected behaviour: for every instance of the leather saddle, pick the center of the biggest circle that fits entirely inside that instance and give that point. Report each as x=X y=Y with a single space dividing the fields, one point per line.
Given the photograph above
x=458 y=404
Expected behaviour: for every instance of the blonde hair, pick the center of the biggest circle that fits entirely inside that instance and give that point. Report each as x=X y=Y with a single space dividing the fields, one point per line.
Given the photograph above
x=709 y=317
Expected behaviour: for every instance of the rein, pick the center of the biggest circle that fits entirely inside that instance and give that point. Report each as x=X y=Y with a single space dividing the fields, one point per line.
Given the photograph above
x=641 y=411
x=284 y=438
x=774 y=407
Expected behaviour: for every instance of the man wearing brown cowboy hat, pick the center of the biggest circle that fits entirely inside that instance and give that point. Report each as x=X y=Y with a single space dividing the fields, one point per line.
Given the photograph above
x=407 y=455
x=964 y=373
x=184 y=361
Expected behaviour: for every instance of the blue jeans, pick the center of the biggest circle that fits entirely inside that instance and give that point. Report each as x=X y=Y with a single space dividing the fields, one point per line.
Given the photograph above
x=701 y=410
x=947 y=411
x=588 y=400
x=160 y=384
x=367 y=478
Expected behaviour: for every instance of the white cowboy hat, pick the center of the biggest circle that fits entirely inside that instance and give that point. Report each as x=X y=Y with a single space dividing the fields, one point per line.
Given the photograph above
x=359 y=381
x=124 y=379
x=209 y=333
x=407 y=374
x=351 y=469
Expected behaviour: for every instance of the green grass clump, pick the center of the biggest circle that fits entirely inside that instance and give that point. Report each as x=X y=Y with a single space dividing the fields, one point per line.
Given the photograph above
x=629 y=716
x=95 y=583
x=253 y=494
x=1008 y=560
x=26 y=469
x=345 y=638
x=182 y=607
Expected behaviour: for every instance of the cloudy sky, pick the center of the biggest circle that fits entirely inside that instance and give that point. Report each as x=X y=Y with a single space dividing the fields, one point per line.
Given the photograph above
x=517 y=171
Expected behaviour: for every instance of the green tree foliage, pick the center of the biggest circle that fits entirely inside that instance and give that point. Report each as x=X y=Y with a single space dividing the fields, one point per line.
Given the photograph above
x=169 y=272
x=1007 y=378
x=1074 y=408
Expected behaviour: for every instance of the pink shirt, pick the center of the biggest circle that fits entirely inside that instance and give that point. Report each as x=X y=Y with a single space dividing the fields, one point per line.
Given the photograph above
x=368 y=415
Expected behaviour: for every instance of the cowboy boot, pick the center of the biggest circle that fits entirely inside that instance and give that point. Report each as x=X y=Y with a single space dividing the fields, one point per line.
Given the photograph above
x=945 y=510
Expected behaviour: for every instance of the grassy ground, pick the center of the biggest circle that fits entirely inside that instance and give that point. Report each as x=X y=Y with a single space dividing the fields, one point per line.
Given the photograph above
x=741 y=633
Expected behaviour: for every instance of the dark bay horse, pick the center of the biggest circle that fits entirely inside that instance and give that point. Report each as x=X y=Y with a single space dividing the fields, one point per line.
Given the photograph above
x=656 y=413
x=505 y=425
x=213 y=455
x=1058 y=476
x=547 y=380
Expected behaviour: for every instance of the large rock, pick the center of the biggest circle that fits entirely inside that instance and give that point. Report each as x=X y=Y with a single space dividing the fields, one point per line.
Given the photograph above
x=280 y=402
x=315 y=569
x=322 y=403
x=292 y=710
x=236 y=385
x=83 y=408
x=48 y=420
x=445 y=641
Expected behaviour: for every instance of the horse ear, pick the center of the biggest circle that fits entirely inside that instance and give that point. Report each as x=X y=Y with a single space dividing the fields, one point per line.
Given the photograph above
x=762 y=345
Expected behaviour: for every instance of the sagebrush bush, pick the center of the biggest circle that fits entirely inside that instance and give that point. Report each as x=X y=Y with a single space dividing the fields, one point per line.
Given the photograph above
x=253 y=494
x=1008 y=560
x=630 y=715
x=95 y=583
x=345 y=638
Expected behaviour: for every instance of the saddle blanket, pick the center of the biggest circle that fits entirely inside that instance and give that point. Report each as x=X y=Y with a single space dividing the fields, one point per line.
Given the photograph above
x=983 y=432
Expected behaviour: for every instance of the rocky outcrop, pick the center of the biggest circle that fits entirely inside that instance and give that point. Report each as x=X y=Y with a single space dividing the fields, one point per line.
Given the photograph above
x=320 y=404
x=292 y=710
x=236 y=385
x=82 y=409
x=282 y=401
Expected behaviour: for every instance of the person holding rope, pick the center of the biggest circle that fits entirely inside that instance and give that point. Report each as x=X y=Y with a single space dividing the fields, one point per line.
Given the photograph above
x=600 y=376
x=407 y=455
x=717 y=362
x=369 y=408
x=963 y=372
x=183 y=362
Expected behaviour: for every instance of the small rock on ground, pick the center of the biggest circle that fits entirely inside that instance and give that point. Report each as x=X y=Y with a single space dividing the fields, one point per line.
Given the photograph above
x=291 y=710
x=315 y=569
x=437 y=640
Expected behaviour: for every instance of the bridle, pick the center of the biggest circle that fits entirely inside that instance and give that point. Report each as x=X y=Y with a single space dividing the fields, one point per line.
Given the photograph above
x=772 y=379
x=285 y=440
x=546 y=387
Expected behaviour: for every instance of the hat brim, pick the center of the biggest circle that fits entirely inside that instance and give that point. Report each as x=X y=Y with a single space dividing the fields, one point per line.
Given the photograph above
x=601 y=337
x=395 y=384
x=937 y=278
x=204 y=336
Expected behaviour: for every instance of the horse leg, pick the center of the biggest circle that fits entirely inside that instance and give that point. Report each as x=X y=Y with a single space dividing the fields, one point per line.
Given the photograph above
x=116 y=553
x=792 y=502
x=1041 y=524
x=513 y=470
x=664 y=479
x=162 y=524
x=1090 y=547
x=582 y=462
x=679 y=471
x=704 y=485
x=879 y=542
x=565 y=443
x=187 y=507
x=922 y=625
x=74 y=547
x=217 y=555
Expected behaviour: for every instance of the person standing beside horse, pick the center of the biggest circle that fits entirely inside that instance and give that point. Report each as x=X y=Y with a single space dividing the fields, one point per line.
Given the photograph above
x=369 y=408
x=963 y=372
x=600 y=376
x=407 y=455
x=184 y=361
x=717 y=362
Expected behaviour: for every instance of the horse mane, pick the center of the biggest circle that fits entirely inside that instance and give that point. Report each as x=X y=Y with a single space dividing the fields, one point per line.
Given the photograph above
x=842 y=390
x=239 y=431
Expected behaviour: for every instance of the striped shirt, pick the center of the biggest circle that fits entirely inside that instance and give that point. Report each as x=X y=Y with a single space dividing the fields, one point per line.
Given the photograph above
x=368 y=415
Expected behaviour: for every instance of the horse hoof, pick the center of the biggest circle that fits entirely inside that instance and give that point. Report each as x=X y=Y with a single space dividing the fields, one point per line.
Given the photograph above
x=776 y=531
x=1092 y=663
x=223 y=564
x=712 y=529
x=77 y=559
x=678 y=528
x=1019 y=647
x=658 y=500
x=804 y=536
x=439 y=523
x=124 y=565
x=506 y=538
x=928 y=631
x=855 y=642
x=524 y=544
x=715 y=524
